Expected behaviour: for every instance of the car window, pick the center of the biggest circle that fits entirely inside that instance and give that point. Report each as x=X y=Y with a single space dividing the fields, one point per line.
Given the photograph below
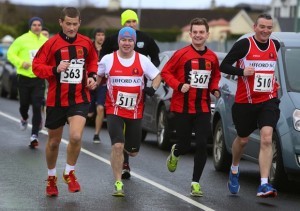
x=292 y=72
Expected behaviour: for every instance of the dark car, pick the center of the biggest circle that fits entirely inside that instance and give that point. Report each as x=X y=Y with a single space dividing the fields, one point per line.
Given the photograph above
x=286 y=136
x=8 y=75
x=157 y=116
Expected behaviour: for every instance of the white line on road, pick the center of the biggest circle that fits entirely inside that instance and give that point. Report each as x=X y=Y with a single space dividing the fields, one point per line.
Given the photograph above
x=155 y=184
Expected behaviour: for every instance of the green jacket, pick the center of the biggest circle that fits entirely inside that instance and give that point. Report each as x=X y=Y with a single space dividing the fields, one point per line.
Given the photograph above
x=23 y=49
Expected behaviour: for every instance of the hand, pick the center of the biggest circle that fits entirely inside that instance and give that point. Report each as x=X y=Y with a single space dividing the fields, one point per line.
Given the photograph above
x=185 y=88
x=26 y=65
x=249 y=71
x=63 y=66
x=150 y=91
x=91 y=83
x=217 y=94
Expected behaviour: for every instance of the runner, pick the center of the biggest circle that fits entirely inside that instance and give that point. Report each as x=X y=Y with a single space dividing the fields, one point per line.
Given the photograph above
x=68 y=61
x=125 y=70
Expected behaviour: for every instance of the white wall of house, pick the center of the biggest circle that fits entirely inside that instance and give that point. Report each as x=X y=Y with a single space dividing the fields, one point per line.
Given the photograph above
x=241 y=23
x=283 y=8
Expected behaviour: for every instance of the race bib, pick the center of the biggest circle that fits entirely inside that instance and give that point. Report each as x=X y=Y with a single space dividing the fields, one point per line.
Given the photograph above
x=200 y=78
x=32 y=54
x=126 y=100
x=73 y=75
x=263 y=82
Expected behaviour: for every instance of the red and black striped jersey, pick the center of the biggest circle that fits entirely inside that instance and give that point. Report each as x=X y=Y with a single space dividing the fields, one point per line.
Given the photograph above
x=66 y=88
x=186 y=66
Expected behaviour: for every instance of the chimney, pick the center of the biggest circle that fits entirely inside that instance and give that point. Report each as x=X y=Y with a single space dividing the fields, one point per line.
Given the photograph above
x=213 y=4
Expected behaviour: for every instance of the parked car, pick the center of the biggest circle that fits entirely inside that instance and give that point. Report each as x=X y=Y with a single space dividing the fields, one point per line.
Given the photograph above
x=286 y=137
x=8 y=75
x=157 y=116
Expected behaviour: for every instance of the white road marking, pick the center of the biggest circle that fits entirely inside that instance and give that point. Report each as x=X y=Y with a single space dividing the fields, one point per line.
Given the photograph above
x=155 y=184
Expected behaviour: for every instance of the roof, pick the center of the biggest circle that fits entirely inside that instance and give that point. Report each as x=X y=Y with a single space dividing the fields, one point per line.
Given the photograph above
x=180 y=18
x=105 y=22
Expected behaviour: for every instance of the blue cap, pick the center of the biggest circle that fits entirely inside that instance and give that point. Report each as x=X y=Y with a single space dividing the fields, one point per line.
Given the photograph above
x=34 y=19
x=127 y=32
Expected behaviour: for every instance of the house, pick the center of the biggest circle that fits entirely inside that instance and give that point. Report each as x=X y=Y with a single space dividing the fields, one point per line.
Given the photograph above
x=285 y=11
x=218 y=30
x=240 y=23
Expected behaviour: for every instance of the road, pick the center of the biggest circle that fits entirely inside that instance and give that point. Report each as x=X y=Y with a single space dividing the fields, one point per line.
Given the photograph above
x=151 y=187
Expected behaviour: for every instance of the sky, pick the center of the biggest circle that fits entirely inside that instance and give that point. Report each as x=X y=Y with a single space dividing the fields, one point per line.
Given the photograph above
x=162 y=4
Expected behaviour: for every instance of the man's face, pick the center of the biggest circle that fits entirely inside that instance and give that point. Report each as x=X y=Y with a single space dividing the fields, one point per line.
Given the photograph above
x=99 y=38
x=70 y=26
x=45 y=33
x=131 y=23
x=36 y=27
x=126 y=45
x=199 y=35
x=263 y=29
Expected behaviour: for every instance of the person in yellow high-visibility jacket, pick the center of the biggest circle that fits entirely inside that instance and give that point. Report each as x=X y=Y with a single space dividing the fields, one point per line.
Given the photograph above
x=31 y=89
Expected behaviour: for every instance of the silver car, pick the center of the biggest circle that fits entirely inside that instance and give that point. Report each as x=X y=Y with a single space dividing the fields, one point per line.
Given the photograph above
x=157 y=116
x=286 y=138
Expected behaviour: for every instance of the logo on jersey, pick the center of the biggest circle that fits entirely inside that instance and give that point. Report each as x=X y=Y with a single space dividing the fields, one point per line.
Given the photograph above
x=271 y=55
x=79 y=52
x=208 y=65
x=140 y=44
x=135 y=71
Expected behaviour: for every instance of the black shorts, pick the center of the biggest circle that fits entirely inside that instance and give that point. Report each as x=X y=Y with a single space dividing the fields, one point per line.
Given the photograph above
x=117 y=125
x=97 y=97
x=248 y=117
x=58 y=116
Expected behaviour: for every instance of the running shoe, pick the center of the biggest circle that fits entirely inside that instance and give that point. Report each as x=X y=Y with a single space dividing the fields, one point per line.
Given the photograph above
x=196 y=190
x=172 y=160
x=71 y=180
x=51 y=189
x=118 y=191
x=233 y=183
x=34 y=143
x=96 y=139
x=126 y=171
x=23 y=124
x=266 y=190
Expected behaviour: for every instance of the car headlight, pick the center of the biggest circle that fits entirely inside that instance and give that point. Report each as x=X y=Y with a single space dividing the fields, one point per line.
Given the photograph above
x=296 y=119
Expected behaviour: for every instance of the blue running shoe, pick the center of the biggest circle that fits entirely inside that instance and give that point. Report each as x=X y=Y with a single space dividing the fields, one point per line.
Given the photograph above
x=233 y=183
x=266 y=190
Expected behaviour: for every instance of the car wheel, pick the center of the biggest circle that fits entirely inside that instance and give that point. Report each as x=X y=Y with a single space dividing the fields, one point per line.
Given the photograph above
x=163 y=132
x=277 y=175
x=221 y=158
x=144 y=134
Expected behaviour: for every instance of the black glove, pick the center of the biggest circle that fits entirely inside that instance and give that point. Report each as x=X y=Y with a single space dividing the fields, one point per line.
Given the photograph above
x=150 y=91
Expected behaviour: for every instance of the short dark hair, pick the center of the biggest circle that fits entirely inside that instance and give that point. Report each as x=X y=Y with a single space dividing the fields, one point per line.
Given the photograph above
x=45 y=29
x=71 y=12
x=98 y=30
x=264 y=16
x=199 y=21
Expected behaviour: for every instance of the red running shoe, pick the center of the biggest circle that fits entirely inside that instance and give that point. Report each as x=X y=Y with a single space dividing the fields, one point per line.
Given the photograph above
x=71 y=180
x=126 y=171
x=51 y=189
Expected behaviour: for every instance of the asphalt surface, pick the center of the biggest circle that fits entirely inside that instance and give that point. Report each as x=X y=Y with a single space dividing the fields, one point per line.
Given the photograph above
x=151 y=187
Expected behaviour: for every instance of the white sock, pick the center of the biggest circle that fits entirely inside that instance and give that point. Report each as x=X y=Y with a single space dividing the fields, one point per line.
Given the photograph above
x=194 y=183
x=68 y=169
x=52 y=172
x=235 y=169
x=263 y=181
